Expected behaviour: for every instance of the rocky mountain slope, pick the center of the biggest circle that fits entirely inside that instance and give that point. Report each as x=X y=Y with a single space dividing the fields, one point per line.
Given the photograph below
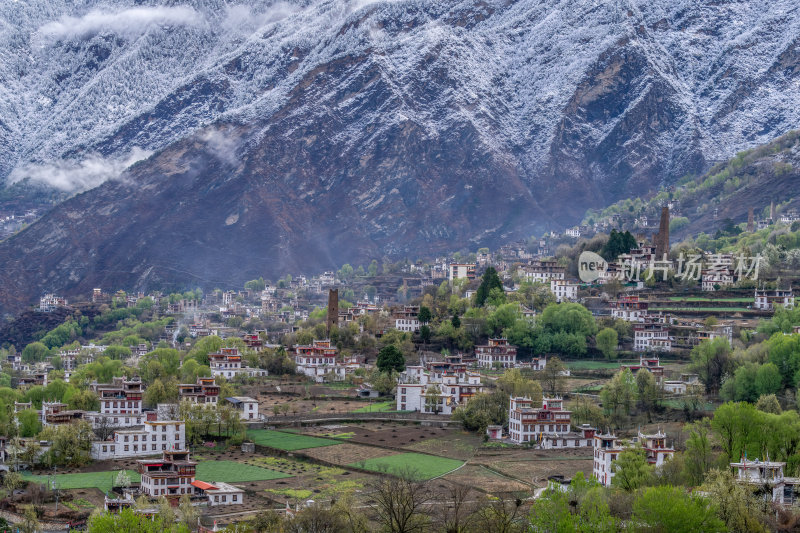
x=762 y=179
x=302 y=135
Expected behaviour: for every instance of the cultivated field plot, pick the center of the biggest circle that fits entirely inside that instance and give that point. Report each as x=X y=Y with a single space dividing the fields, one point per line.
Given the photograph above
x=347 y=453
x=292 y=466
x=413 y=465
x=233 y=472
x=377 y=407
x=287 y=441
x=536 y=470
x=323 y=486
x=395 y=435
x=455 y=444
x=86 y=480
x=483 y=478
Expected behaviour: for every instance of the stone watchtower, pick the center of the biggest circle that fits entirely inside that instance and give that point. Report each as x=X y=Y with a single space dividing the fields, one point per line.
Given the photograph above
x=662 y=237
x=333 y=309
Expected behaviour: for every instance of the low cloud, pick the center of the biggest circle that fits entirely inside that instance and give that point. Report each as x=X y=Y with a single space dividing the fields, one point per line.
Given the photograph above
x=244 y=19
x=77 y=176
x=222 y=145
x=128 y=22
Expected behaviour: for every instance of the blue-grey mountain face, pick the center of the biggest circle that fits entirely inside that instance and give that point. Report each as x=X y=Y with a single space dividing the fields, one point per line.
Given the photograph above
x=300 y=135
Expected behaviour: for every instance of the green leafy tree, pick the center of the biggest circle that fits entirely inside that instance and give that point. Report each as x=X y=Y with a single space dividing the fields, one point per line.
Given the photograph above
x=71 y=443
x=130 y=522
x=30 y=520
x=631 y=470
x=424 y=316
x=768 y=403
x=552 y=377
x=390 y=358
x=742 y=386
x=784 y=353
x=155 y=394
x=82 y=400
x=607 y=341
x=712 y=362
x=735 y=425
x=117 y=352
x=672 y=509
x=582 y=507
x=490 y=280
x=737 y=506
x=255 y=285
x=35 y=352
x=648 y=393
x=513 y=383
x=372 y=270
x=433 y=399
x=619 y=394
x=483 y=409
x=346 y=272
x=425 y=333
x=564 y=328
x=29 y=423
x=699 y=456
x=768 y=379
x=618 y=243
x=205 y=346
x=383 y=382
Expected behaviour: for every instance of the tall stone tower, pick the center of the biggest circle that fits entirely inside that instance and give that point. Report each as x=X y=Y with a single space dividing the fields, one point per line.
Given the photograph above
x=751 y=223
x=662 y=237
x=333 y=309
x=772 y=211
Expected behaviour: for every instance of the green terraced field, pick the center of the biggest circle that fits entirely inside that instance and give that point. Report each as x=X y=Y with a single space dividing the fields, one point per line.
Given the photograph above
x=225 y=471
x=87 y=480
x=378 y=407
x=414 y=465
x=286 y=441
x=233 y=472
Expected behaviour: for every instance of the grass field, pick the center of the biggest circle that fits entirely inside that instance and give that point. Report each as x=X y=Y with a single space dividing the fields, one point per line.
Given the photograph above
x=233 y=472
x=414 y=465
x=286 y=441
x=100 y=480
x=225 y=471
x=590 y=389
x=377 y=407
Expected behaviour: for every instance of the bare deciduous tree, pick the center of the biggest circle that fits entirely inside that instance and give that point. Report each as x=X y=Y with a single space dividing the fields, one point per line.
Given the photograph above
x=501 y=516
x=456 y=515
x=400 y=503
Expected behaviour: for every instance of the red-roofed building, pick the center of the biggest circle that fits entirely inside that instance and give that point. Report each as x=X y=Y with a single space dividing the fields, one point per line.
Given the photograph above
x=498 y=353
x=531 y=424
x=205 y=391
x=170 y=476
x=629 y=308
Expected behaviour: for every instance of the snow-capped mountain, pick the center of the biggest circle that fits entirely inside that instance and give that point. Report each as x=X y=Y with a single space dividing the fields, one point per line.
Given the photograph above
x=322 y=131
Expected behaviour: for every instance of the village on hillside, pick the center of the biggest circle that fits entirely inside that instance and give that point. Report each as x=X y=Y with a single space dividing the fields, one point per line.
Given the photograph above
x=499 y=382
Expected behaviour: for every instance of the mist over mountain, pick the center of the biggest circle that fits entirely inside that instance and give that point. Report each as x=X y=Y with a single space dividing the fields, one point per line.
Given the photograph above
x=217 y=141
